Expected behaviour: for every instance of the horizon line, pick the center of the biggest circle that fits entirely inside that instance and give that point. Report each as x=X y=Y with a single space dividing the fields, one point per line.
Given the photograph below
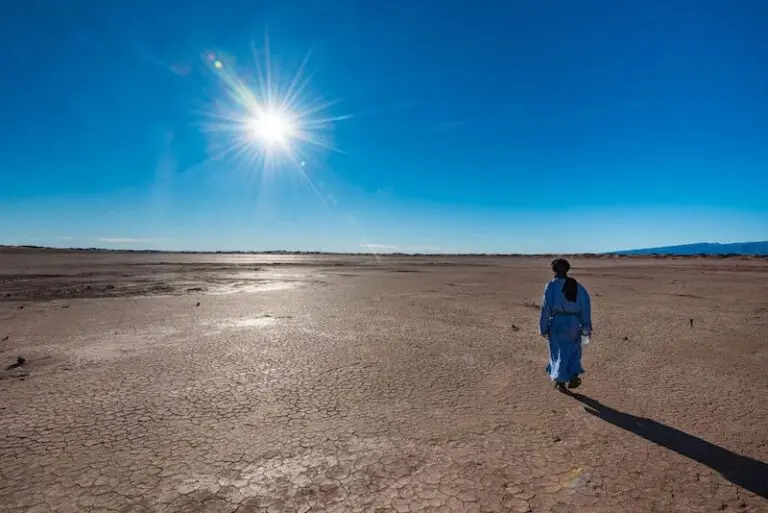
x=616 y=253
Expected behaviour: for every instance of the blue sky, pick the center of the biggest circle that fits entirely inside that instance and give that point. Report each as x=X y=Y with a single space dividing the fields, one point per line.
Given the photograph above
x=550 y=126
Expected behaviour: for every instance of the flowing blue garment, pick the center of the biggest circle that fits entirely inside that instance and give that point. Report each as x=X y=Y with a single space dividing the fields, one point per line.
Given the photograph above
x=563 y=322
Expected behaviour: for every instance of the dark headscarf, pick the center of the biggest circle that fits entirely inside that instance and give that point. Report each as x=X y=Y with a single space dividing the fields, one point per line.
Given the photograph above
x=560 y=266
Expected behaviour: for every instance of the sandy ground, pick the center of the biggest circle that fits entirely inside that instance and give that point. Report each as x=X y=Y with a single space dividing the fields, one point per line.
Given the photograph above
x=183 y=383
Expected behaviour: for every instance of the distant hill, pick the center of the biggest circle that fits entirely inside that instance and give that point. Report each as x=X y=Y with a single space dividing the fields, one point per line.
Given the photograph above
x=704 y=248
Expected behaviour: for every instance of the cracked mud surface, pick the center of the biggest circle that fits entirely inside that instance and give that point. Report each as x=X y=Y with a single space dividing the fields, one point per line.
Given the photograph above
x=362 y=388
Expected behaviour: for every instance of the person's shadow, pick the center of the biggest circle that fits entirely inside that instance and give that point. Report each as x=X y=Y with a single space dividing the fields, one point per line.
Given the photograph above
x=743 y=471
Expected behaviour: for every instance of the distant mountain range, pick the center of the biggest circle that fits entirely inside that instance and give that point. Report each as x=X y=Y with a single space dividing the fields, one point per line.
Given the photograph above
x=704 y=248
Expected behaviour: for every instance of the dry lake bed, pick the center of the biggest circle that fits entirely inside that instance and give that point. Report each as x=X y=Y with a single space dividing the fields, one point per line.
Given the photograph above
x=256 y=383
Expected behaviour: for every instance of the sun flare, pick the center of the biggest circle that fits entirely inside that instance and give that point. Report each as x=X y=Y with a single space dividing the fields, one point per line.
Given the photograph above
x=267 y=123
x=272 y=127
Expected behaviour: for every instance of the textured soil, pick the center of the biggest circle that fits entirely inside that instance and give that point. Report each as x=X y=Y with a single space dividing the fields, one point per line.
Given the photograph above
x=237 y=383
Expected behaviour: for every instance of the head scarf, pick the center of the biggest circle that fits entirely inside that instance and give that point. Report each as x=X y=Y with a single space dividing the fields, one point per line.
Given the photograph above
x=561 y=266
x=571 y=288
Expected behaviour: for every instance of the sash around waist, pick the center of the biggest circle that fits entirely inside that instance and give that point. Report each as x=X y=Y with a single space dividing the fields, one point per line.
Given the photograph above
x=571 y=314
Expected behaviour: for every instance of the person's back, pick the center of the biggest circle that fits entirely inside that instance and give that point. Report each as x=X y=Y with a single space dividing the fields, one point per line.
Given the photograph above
x=557 y=306
x=566 y=314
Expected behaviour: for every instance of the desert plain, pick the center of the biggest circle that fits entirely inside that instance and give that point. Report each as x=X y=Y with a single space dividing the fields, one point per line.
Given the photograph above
x=141 y=382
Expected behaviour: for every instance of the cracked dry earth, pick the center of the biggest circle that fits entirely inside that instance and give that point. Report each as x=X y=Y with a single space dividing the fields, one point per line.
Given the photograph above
x=378 y=385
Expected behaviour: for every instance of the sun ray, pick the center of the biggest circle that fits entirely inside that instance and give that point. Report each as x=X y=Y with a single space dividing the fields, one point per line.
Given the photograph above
x=262 y=122
x=320 y=122
x=291 y=93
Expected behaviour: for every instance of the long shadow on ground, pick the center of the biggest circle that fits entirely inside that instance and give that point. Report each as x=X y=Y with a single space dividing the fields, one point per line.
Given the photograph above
x=748 y=473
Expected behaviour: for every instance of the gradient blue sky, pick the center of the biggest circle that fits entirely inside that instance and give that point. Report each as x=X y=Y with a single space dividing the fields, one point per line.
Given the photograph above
x=547 y=126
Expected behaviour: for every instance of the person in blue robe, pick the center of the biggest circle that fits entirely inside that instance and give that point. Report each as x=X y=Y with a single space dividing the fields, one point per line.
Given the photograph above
x=566 y=315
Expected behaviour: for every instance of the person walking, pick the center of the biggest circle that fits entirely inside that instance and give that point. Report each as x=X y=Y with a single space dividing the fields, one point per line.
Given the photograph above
x=566 y=315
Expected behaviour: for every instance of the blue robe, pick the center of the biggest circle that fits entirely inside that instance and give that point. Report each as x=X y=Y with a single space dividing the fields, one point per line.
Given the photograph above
x=563 y=322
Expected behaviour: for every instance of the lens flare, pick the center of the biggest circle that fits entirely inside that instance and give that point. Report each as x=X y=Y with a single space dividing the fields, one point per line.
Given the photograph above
x=266 y=124
x=272 y=127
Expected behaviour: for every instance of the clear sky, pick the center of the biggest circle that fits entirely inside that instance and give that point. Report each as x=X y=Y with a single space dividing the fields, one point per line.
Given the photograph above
x=541 y=126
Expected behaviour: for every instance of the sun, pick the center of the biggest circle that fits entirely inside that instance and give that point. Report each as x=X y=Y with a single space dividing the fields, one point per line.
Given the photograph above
x=264 y=123
x=272 y=127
